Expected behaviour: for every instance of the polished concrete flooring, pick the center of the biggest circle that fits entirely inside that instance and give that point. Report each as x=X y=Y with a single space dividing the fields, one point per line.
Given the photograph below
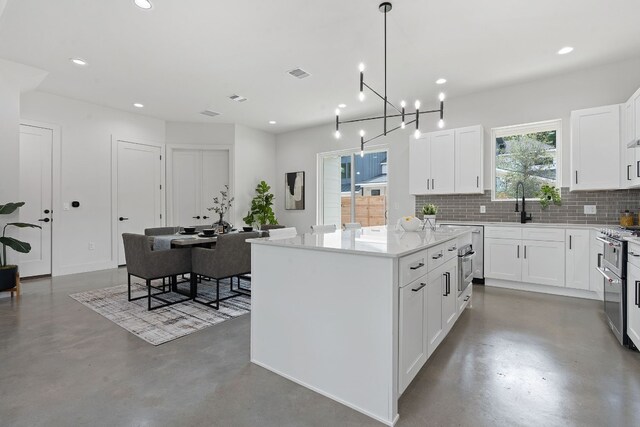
x=514 y=359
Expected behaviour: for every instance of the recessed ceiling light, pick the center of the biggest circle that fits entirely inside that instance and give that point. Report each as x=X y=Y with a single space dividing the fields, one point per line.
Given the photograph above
x=565 y=50
x=272 y=122
x=441 y=81
x=138 y=105
x=342 y=105
x=143 y=4
x=79 y=61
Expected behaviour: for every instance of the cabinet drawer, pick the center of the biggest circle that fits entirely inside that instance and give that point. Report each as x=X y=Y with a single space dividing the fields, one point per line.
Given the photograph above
x=503 y=232
x=633 y=253
x=412 y=266
x=544 y=234
x=438 y=255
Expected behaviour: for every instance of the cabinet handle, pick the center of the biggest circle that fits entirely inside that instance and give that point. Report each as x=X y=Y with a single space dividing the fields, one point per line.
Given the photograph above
x=628 y=171
x=427 y=184
x=448 y=283
x=632 y=254
x=433 y=183
x=518 y=252
x=445 y=284
x=467 y=298
x=477 y=182
x=599 y=263
x=437 y=256
x=637 y=299
x=638 y=168
x=415 y=267
x=525 y=251
x=576 y=177
x=452 y=248
x=569 y=241
x=422 y=285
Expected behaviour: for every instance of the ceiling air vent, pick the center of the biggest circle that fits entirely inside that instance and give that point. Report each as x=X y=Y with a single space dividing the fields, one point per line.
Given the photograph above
x=299 y=73
x=210 y=113
x=237 y=98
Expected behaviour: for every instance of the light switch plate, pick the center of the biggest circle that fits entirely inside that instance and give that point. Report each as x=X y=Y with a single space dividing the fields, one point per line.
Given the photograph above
x=483 y=209
x=65 y=206
x=589 y=209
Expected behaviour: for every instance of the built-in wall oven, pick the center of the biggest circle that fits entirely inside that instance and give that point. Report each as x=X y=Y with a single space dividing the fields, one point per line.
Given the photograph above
x=466 y=254
x=613 y=267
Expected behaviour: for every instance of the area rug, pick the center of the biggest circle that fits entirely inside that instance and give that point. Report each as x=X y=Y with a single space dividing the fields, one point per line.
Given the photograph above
x=168 y=323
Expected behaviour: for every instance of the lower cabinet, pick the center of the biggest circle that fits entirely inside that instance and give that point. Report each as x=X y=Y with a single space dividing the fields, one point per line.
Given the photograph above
x=578 y=251
x=543 y=262
x=633 y=303
x=413 y=323
x=442 y=308
x=502 y=259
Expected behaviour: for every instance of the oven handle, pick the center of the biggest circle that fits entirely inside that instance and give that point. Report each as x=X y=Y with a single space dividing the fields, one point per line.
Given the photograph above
x=609 y=279
x=606 y=241
x=469 y=255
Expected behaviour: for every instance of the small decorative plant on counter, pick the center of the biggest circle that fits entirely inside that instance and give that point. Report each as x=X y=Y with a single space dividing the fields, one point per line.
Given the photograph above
x=430 y=211
x=9 y=273
x=548 y=195
x=261 y=211
x=221 y=206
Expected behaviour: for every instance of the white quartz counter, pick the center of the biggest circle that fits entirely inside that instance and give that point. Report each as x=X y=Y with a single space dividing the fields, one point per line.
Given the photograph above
x=373 y=241
x=529 y=224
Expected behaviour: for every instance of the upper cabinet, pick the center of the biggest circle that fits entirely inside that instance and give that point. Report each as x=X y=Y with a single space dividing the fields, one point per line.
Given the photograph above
x=447 y=162
x=629 y=140
x=595 y=148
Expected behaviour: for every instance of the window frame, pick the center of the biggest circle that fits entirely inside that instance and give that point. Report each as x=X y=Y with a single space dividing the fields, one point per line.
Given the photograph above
x=543 y=126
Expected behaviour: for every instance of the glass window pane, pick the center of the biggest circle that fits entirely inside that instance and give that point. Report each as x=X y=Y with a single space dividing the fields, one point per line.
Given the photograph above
x=371 y=189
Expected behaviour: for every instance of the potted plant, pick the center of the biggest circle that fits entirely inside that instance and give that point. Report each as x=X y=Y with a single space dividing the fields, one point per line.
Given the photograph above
x=429 y=211
x=261 y=211
x=548 y=195
x=8 y=273
x=221 y=206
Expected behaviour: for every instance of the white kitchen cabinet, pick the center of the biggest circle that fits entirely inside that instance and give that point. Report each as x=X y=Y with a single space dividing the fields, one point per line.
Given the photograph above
x=502 y=259
x=631 y=157
x=543 y=262
x=635 y=100
x=577 y=251
x=633 y=303
x=436 y=290
x=595 y=149
x=413 y=334
x=469 y=160
x=450 y=300
x=419 y=165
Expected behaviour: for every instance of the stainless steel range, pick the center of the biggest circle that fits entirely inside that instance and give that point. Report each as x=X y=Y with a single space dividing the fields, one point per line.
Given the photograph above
x=613 y=267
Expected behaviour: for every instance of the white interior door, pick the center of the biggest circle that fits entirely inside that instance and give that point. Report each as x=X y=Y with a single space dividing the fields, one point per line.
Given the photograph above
x=35 y=190
x=186 y=188
x=215 y=175
x=139 y=195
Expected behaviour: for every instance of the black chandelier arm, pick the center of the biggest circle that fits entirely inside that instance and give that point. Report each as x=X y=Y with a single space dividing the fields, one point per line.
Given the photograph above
x=388 y=132
x=381 y=97
x=342 y=122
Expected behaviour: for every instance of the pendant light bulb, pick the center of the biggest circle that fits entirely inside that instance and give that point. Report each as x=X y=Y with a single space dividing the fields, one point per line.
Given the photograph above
x=402 y=125
x=361 y=96
x=440 y=123
x=361 y=67
x=337 y=134
x=417 y=105
x=361 y=153
x=337 y=111
x=416 y=134
x=403 y=104
x=361 y=133
x=441 y=96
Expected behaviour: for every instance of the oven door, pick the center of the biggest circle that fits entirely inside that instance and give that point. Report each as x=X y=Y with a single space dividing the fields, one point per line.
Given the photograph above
x=465 y=263
x=614 y=300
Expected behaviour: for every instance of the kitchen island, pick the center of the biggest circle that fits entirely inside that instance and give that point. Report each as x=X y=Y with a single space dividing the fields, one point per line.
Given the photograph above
x=355 y=314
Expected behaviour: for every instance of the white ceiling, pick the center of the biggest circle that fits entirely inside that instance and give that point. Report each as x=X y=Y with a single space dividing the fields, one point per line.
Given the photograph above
x=184 y=56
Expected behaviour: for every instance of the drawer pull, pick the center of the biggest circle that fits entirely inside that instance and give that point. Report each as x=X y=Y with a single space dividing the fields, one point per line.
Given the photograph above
x=634 y=254
x=467 y=298
x=437 y=256
x=415 y=267
x=452 y=248
x=422 y=285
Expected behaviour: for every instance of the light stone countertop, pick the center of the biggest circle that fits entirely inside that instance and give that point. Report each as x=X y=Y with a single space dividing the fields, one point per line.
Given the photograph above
x=374 y=241
x=529 y=224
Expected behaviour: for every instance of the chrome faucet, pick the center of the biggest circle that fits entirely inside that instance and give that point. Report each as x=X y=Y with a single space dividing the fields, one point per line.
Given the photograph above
x=523 y=215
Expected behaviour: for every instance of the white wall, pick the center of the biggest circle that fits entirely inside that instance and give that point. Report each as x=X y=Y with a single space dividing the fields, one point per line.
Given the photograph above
x=86 y=131
x=255 y=154
x=550 y=98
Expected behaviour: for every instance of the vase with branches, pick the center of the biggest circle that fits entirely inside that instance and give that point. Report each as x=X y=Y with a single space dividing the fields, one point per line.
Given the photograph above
x=221 y=205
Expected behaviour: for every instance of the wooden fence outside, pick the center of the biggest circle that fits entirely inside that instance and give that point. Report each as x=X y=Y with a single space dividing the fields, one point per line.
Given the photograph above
x=370 y=210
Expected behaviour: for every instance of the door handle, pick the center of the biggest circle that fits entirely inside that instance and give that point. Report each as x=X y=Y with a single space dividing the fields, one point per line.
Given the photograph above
x=123 y=218
x=205 y=217
x=196 y=217
x=44 y=219
x=422 y=285
x=47 y=211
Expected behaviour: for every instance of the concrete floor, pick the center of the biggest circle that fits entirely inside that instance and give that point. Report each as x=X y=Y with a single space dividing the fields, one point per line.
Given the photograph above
x=515 y=359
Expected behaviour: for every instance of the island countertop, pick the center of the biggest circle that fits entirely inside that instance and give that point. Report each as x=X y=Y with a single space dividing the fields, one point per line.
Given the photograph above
x=379 y=241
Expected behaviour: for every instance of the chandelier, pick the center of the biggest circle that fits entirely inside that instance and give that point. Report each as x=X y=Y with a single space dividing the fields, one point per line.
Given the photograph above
x=385 y=7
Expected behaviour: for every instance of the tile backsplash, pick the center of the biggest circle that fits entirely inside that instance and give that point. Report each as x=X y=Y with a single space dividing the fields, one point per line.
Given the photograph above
x=466 y=207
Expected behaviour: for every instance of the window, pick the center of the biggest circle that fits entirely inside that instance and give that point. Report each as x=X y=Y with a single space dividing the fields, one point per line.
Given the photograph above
x=528 y=154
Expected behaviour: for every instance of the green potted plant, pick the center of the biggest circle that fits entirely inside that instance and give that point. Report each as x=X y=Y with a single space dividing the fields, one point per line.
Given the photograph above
x=8 y=273
x=548 y=195
x=261 y=211
x=429 y=212
x=221 y=206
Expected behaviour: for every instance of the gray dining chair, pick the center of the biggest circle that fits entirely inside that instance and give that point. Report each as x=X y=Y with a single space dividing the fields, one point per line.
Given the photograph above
x=161 y=231
x=149 y=265
x=230 y=258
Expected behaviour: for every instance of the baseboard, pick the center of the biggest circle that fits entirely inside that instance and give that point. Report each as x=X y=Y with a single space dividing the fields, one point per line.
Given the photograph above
x=543 y=289
x=330 y=396
x=83 y=268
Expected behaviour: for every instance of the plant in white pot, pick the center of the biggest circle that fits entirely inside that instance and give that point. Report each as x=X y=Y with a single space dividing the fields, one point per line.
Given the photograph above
x=430 y=211
x=9 y=273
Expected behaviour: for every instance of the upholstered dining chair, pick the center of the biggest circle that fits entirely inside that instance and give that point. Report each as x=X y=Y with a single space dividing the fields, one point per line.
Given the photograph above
x=321 y=228
x=147 y=264
x=230 y=258
x=161 y=231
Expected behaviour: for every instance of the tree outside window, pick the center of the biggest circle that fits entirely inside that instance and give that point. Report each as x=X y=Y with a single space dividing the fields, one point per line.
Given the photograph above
x=528 y=157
